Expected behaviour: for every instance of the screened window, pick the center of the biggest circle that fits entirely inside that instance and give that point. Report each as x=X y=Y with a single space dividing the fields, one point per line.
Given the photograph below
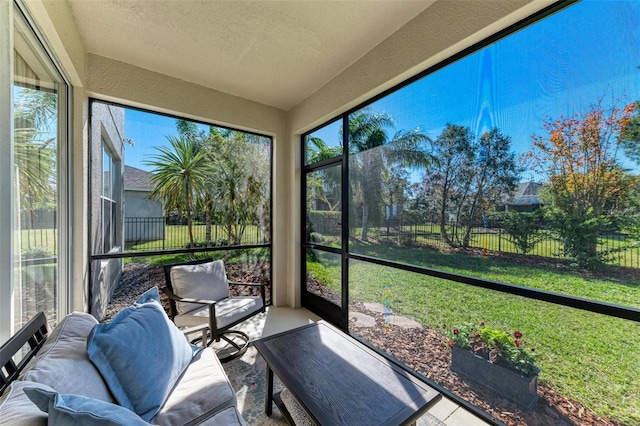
x=169 y=189
x=498 y=188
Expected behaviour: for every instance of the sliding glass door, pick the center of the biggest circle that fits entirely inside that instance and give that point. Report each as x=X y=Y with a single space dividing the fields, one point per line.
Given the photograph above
x=34 y=223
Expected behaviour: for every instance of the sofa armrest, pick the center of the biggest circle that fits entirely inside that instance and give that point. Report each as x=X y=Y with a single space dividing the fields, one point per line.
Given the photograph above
x=33 y=333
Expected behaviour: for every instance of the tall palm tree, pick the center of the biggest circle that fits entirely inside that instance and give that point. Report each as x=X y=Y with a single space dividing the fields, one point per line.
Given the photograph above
x=373 y=152
x=180 y=173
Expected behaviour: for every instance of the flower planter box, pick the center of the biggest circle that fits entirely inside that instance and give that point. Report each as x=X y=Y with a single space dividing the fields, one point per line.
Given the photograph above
x=523 y=390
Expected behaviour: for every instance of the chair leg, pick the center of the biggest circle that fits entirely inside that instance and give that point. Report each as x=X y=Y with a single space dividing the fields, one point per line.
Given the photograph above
x=239 y=348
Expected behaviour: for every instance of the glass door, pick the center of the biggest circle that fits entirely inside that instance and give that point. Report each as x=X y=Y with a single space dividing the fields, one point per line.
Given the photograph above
x=323 y=200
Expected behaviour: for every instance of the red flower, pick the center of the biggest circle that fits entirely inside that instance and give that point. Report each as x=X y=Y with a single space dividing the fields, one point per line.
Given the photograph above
x=517 y=343
x=517 y=334
x=450 y=342
x=456 y=331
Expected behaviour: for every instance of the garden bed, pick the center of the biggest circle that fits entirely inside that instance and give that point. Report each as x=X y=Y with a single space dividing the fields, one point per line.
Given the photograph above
x=426 y=351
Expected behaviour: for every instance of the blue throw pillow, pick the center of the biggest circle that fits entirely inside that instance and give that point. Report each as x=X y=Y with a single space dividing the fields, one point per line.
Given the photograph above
x=72 y=410
x=140 y=355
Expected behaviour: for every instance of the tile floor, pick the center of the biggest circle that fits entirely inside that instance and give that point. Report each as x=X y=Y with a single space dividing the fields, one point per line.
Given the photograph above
x=278 y=319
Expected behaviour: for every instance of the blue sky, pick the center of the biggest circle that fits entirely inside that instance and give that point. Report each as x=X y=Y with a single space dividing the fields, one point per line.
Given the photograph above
x=558 y=66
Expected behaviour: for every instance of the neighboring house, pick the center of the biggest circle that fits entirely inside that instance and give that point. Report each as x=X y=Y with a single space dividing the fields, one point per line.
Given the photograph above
x=107 y=164
x=143 y=217
x=526 y=198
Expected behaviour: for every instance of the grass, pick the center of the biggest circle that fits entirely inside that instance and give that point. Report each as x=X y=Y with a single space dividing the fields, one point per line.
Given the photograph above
x=588 y=357
x=177 y=236
x=429 y=234
x=229 y=256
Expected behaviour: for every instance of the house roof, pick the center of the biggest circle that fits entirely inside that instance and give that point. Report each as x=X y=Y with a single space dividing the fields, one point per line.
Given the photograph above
x=136 y=179
x=276 y=53
x=526 y=194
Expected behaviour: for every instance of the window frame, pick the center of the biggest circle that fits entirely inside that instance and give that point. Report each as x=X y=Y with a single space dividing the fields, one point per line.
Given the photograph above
x=10 y=13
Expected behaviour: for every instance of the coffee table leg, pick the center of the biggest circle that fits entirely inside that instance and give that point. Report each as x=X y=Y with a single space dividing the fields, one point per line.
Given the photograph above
x=268 y=397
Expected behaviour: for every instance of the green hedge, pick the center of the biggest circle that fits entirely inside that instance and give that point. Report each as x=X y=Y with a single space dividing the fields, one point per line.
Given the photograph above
x=325 y=222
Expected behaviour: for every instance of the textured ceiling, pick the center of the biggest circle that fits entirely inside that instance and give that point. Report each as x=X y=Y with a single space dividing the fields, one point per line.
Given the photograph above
x=273 y=52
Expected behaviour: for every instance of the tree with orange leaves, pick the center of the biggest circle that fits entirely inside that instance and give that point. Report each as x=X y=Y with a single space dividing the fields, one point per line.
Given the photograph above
x=587 y=186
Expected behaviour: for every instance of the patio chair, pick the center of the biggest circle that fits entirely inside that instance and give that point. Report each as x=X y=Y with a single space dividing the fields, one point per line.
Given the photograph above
x=199 y=295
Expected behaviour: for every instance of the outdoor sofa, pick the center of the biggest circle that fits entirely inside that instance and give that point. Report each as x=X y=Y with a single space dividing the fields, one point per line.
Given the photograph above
x=65 y=375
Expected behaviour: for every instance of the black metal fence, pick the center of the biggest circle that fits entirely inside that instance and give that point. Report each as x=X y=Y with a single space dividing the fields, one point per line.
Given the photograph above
x=163 y=233
x=38 y=239
x=624 y=249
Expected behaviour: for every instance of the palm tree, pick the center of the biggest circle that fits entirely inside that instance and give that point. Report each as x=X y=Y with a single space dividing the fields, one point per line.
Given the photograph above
x=373 y=152
x=323 y=179
x=180 y=173
x=35 y=153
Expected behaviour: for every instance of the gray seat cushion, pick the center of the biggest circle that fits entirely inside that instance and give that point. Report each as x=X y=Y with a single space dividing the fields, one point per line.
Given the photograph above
x=203 y=390
x=227 y=311
x=16 y=408
x=227 y=417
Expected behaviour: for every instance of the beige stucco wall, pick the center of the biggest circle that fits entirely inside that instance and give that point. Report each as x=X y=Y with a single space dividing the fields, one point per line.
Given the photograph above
x=443 y=29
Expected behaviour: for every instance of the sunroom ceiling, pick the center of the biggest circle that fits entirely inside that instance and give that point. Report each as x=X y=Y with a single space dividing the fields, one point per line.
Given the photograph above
x=273 y=52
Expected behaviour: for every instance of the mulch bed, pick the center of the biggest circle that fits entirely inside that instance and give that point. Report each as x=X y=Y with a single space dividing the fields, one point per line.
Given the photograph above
x=425 y=350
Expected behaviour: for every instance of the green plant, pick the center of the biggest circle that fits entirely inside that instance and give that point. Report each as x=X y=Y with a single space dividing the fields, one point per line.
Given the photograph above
x=34 y=253
x=496 y=346
x=522 y=229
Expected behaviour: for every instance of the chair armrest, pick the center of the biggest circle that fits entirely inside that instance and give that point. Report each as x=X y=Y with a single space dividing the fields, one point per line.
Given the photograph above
x=262 y=286
x=247 y=284
x=177 y=298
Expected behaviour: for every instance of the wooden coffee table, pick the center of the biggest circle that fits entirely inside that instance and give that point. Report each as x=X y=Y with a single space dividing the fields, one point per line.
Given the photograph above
x=339 y=381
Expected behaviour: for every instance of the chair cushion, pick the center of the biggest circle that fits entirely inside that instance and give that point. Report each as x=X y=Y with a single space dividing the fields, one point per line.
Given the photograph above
x=16 y=408
x=227 y=311
x=77 y=410
x=200 y=281
x=140 y=354
x=227 y=417
x=202 y=390
x=62 y=362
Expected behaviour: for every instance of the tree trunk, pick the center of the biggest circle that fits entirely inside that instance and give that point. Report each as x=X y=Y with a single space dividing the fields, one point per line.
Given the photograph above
x=207 y=232
x=365 y=220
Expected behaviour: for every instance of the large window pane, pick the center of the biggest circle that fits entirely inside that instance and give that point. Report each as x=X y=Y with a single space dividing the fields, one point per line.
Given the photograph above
x=587 y=360
x=39 y=142
x=324 y=143
x=324 y=206
x=173 y=185
x=324 y=275
x=526 y=166
x=516 y=164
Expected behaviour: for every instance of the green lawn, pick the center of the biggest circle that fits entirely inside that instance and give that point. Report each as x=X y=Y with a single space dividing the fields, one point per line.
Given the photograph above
x=588 y=357
x=430 y=235
x=177 y=236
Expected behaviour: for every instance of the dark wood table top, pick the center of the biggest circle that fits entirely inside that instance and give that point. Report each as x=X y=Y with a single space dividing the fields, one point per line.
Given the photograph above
x=340 y=381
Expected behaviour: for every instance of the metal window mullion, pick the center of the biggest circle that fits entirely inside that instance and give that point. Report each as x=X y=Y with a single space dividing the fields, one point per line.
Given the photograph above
x=345 y=222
